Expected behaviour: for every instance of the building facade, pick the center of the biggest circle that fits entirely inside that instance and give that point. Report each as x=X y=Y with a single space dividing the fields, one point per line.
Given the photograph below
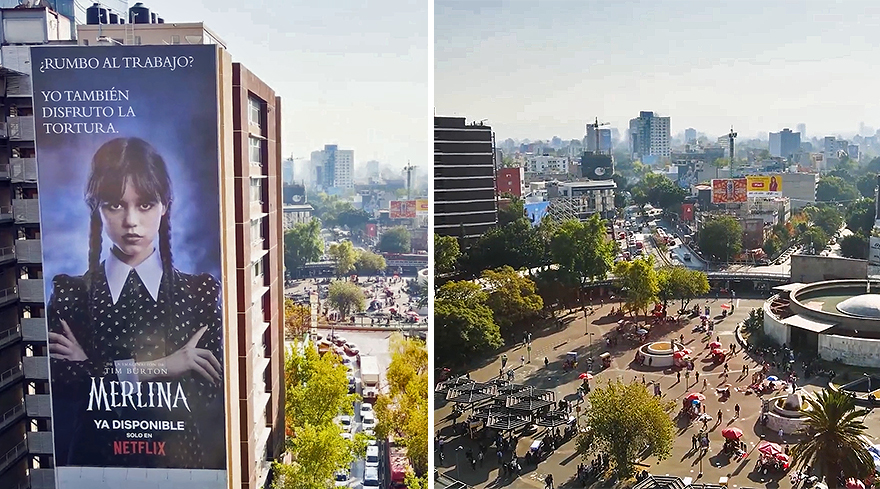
x=546 y=164
x=604 y=139
x=510 y=181
x=784 y=143
x=464 y=178
x=253 y=266
x=650 y=136
x=333 y=168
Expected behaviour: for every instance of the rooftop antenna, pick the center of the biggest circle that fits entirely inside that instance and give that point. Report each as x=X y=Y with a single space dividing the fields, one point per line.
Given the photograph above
x=409 y=171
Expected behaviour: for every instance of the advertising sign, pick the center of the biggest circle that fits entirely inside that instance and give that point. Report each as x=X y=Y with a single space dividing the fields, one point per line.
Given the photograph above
x=402 y=209
x=874 y=252
x=371 y=230
x=729 y=190
x=422 y=207
x=128 y=157
x=765 y=186
x=687 y=212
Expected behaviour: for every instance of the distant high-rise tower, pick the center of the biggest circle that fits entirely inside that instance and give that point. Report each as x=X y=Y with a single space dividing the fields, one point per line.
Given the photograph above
x=333 y=167
x=287 y=171
x=802 y=128
x=649 y=136
x=784 y=143
x=690 y=136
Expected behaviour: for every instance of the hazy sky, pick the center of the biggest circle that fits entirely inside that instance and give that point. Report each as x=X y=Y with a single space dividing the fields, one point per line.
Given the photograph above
x=351 y=73
x=538 y=69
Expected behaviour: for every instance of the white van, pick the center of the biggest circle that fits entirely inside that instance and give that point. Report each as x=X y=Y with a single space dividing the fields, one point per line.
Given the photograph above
x=371 y=477
x=372 y=456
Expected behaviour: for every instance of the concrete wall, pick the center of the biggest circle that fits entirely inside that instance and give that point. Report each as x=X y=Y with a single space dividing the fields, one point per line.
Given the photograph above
x=774 y=328
x=861 y=352
x=811 y=268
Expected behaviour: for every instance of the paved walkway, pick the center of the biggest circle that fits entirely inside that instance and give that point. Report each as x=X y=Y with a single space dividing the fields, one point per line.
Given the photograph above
x=576 y=337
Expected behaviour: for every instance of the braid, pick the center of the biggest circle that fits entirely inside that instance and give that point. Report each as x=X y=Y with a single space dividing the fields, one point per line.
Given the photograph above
x=96 y=228
x=167 y=261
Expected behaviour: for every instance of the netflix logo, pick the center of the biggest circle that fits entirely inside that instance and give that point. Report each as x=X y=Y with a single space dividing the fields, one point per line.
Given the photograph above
x=138 y=447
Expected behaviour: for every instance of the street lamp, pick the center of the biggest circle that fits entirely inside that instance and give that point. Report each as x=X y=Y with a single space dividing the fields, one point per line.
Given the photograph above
x=457 y=464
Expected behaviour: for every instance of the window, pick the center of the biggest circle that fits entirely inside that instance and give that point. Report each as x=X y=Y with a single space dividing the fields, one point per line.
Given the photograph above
x=256 y=190
x=258 y=269
x=255 y=112
x=175 y=39
x=255 y=151
x=256 y=231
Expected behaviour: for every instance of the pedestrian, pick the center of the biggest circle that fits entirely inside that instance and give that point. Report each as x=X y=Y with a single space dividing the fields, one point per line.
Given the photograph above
x=501 y=372
x=650 y=361
x=705 y=383
x=546 y=361
x=678 y=376
x=694 y=440
x=548 y=481
x=500 y=455
x=522 y=360
x=736 y=410
x=681 y=338
x=503 y=360
x=697 y=376
x=719 y=416
x=687 y=377
x=474 y=462
x=643 y=380
x=440 y=444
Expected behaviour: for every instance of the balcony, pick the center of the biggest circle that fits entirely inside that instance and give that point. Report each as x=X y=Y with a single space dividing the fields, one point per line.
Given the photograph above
x=11 y=376
x=35 y=368
x=31 y=290
x=33 y=330
x=6 y=213
x=7 y=254
x=5 y=172
x=9 y=418
x=10 y=336
x=42 y=479
x=28 y=251
x=26 y=211
x=12 y=456
x=8 y=296
x=21 y=128
x=23 y=170
x=40 y=442
x=38 y=406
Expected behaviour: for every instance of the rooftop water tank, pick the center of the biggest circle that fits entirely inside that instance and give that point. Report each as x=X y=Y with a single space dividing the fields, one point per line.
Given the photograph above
x=96 y=14
x=114 y=19
x=153 y=18
x=138 y=14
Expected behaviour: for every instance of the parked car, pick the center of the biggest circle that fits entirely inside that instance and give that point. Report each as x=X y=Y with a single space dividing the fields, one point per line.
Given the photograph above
x=366 y=410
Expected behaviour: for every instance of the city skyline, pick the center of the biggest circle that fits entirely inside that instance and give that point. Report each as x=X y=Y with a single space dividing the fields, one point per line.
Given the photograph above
x=345 y=71
x=531 y=74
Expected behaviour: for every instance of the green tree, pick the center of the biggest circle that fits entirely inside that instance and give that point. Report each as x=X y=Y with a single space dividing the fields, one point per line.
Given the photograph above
x=639 y=281
x=659 y=191
x=346 y=297
x=463 y=324
x=355 y=219
x=344 y=255
x=403 y=410
x=860 y=216
x=873 y=166
x=835 y=189
x=682 y=284
x=832 y=439
x=721 y=238
x=297 y=319
x=815 y=238
x=773 y=245
x=582 y=250
x=854 y=246
x=302 y=244
x=446 y=254
x=518 y=244
x=826 y=217
x=512 y=297
x=512 y=212
x=317 y=453
x=628 y=423
x=866 y=184
x=368 y=263
x=395 y=240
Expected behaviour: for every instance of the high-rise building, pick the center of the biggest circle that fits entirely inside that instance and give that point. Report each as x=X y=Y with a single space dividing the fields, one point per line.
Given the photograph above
x=604 y=139
x=784 y=143
x=251 y=297
x=373 y=170
x=510 y=181
x=464 y=178
x=287 y=171
x=333 y=167
x=650 y=135
x=802 y=128
x=690 y=135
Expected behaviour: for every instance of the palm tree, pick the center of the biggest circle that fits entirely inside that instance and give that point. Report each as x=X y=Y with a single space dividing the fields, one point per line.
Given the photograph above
x=832 y=438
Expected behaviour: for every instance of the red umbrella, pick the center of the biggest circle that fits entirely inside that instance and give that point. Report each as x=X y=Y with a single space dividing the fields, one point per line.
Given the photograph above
x=725 y=306
x=770 y=449
x=852 y=483
x=585 y=376
x=679 y=354
x=715 y=344
x=717 y=351
x=695 y=396
x=687 y=351
x=732 y=433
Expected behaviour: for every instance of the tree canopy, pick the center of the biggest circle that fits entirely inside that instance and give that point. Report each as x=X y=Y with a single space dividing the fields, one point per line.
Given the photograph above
x=835 y=189
x=345 y=257
x=513 y=211
x=639 y=281
x=517 y=244
x=512 y=297
x=395 y=240
x=721 y=238
x=582 y=250
x=860 y=216
x=682 y=284
x=627 y=423
x=659 y=191
x=297 y=319
x=446 y=254
x=463 y=325
x=854 y=246
x=346 y=297
x=302 y=244
x=368 y=263
x=403 y=410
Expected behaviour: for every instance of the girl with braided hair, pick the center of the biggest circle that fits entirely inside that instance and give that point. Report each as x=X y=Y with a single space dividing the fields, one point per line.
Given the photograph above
x=135 y=319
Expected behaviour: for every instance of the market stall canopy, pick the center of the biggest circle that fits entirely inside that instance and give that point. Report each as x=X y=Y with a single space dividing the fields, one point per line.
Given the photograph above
x=554 y=419
x=732 y=433
x=695 y=396
x=469 y=397
x=506 y=423
x=770 y=449
x=530 y=405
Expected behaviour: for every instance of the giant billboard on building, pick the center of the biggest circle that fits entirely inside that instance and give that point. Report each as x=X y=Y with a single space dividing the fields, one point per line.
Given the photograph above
x=765 y=186
x=402 y=209
x=729 y=190
x=128 y=173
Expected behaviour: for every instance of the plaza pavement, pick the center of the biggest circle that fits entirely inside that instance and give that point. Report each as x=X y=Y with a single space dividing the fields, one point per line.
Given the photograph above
x=575 y=336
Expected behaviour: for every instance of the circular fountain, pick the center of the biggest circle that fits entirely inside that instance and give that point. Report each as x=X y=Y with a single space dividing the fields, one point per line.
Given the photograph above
x=660 y=353
x=788 y=412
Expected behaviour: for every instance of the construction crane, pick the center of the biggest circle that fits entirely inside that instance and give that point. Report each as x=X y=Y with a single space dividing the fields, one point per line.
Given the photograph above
x=596 y=125
x=409 y=171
